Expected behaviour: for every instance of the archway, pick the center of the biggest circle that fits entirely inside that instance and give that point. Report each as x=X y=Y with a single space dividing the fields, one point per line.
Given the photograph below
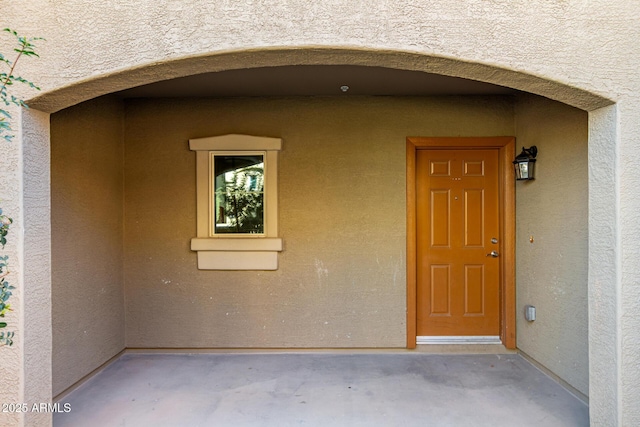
x=303 y=55
x=35 y=127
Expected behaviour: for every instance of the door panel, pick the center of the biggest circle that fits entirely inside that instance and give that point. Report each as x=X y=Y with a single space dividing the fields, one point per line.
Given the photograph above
x=474 y=290
x=440 y=216
x=473 y=217
x=457 y=214
x=440 y=290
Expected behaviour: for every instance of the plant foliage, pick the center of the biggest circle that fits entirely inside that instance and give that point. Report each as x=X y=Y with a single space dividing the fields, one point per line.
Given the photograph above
x=24 y=48
x=244 y=203
x=6 y=338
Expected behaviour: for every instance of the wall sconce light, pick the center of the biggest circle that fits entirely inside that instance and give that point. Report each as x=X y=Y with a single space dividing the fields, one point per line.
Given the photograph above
x=525 y=162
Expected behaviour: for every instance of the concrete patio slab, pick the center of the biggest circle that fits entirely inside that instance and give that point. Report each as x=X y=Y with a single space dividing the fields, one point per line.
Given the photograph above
x=320 y=389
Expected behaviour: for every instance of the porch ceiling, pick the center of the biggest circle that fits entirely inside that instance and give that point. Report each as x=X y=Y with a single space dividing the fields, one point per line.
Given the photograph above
x=314 y=80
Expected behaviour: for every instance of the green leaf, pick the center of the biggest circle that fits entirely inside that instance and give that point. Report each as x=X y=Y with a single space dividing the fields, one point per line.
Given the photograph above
x=3 y=325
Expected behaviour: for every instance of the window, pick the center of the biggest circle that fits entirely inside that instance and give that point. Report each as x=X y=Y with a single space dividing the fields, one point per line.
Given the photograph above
x=238 y=187
x=237 y=202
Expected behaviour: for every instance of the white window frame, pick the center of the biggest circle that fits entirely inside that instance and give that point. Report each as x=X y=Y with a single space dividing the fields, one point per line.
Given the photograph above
x=236 y=251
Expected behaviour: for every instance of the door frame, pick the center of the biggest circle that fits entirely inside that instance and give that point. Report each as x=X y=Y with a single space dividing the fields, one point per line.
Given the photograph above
x=506 y=181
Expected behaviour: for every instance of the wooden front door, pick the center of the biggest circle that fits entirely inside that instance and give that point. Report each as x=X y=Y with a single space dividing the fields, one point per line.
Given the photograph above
x=457 y=229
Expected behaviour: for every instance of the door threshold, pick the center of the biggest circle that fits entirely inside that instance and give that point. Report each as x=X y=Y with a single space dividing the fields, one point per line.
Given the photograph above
x=471 y=339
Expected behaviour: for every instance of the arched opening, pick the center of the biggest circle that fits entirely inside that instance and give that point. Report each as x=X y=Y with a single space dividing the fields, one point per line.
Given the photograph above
x=299 y=56
x=149 y=172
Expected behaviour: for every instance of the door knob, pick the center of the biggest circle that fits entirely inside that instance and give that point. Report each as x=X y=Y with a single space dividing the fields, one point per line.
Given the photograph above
x=494 y=254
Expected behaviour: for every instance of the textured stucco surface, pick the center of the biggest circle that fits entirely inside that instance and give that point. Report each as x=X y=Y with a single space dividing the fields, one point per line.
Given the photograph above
x=571 y=51
x=604 y=269
x=87 y=226
x=551 y=272
x=341 y=277
x=35 y=275
x=128 y=36
x=629 y=267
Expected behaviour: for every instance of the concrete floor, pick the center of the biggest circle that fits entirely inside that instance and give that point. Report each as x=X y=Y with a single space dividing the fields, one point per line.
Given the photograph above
x=317 y=389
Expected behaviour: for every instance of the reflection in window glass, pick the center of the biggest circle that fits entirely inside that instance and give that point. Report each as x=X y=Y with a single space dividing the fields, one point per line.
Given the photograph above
x=239 y=194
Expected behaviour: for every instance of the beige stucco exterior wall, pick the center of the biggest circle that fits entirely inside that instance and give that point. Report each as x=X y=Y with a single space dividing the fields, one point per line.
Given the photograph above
x=342 y=276
x=551 y=272
x=86 y=235
x=341 y=280
x=582 y=54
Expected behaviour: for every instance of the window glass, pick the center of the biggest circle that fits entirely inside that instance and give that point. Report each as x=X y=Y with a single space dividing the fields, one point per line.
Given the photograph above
x=239 y=194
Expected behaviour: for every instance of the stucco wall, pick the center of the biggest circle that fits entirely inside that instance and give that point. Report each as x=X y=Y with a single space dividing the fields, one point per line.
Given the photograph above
x=551 y=272
x=341 y=280
x=87 y=225
x=563 y=50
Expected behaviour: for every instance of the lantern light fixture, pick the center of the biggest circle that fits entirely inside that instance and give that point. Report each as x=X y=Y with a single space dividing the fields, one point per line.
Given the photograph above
x=525 y=162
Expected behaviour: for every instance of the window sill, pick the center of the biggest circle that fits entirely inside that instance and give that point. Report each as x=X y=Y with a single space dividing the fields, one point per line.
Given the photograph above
x=247 y=253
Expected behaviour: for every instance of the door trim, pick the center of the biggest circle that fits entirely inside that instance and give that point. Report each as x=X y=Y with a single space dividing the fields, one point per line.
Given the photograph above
x=460 y=340
x=506 y=178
